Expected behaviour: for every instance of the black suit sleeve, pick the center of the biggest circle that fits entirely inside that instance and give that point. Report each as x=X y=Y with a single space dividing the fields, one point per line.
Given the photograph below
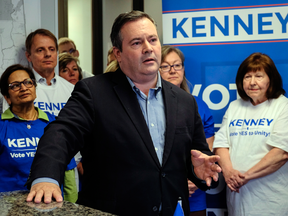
x=200 y=144
x=64 y=137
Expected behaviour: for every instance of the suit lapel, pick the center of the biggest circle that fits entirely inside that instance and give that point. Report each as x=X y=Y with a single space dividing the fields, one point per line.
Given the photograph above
x=130 y=103
x=170 y=101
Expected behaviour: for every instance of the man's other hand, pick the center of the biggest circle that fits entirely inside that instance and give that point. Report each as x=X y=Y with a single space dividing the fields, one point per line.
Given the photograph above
x=205 y=167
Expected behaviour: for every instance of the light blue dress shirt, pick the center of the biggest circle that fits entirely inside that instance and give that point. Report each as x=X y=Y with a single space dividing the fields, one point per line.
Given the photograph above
x=153 y=110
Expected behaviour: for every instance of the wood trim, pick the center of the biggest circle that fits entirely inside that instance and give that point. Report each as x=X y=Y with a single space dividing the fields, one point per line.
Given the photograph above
x=62 y=18
x=138 y=5
x=97 y=37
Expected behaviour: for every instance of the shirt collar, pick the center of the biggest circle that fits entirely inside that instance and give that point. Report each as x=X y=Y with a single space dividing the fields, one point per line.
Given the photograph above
x=8 y=114
x=42 y=80
x=157 y=87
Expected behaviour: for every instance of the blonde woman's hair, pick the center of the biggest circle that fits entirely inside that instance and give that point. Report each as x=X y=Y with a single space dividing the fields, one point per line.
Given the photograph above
x=65 y=40
x=112 y=67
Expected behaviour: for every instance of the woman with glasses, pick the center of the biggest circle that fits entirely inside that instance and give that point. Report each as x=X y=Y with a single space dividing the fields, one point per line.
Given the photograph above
x=21 y=127
x=172 y=70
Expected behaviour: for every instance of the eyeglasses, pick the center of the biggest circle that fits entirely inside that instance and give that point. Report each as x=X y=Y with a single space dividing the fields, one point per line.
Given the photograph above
x=72 y=50
x=167 y=68
x=16 y=86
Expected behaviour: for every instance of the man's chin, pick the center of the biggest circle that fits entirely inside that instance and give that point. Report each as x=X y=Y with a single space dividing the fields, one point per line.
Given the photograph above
x=152 y=69
x=48 y=68
x=151 y=72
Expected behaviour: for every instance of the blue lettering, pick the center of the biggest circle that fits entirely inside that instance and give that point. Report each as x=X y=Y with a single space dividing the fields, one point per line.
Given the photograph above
x=248 y=29
x=234 y=134
x=254 y=22
x=269 y=122
x=179 y=28
x=56 y=106
x=261 y=23
x=239 y=122
x=232 y=123
x=41 y=105
x=246 y=122
x=253 y=122
x=48 y=107
x=282 y=21
x=195 y=27
x=214 y=22
x=249 y=122
x=261 y=122
x=243 y=133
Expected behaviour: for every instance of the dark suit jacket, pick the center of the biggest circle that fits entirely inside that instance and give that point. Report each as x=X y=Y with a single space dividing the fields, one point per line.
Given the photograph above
x=122 y=174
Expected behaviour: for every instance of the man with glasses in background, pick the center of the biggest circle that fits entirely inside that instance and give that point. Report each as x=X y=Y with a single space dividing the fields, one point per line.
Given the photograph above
x=67 y=45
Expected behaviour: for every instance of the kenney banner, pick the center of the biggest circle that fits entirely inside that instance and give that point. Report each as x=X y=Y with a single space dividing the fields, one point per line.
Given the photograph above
x=215 y=37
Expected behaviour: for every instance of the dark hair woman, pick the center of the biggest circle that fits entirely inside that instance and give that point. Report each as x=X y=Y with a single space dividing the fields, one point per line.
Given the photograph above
x=253 y=143
x=21 y=127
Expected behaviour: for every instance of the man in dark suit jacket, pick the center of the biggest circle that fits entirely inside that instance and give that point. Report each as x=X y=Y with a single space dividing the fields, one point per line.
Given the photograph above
x=135 y=132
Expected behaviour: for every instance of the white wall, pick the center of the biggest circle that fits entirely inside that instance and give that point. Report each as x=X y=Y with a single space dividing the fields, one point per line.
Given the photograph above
x=111 y=9
x=154 y=9
x=80 y=30
x=49 y=16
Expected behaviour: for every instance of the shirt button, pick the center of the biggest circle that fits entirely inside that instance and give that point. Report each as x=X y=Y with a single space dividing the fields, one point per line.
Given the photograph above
x=163 y=175
x=156 y=149
x=155 y=208
x=148 y=102
x=152 y=124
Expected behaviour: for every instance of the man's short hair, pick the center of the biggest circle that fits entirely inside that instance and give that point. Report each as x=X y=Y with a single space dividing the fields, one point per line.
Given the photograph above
x=44 y=32
x=116 y=37
x=65 y=40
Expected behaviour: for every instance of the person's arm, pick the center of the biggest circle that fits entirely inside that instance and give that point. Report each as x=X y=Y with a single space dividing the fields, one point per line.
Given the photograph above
x=61 y=140
x=270 y=163
x=210 y=141
x=233 y=178
x=278 y=155
x=80 y=168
